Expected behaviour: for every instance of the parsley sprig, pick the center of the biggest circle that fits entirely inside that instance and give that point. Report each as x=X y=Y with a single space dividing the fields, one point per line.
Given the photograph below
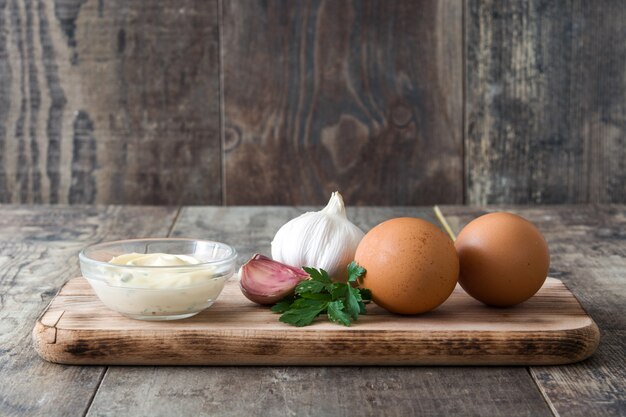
x=341 y=302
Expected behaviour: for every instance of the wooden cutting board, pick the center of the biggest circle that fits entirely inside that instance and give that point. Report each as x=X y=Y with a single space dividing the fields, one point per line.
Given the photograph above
x=551 y=328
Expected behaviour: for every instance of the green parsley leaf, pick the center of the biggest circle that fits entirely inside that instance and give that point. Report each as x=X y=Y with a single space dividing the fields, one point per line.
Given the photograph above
x=304 y=313
x=318 y=275
x=341 y=302
x=355 y=271
x=310 y=286
x=313 y=296
x=366 y=294
x=338 y=290
x=362 y=309
x=303 y=303
x=283 y=305
x=353 y=297
x=336 y=313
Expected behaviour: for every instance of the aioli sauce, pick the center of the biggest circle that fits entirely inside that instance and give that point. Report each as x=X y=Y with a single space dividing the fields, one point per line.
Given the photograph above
x=143 y=291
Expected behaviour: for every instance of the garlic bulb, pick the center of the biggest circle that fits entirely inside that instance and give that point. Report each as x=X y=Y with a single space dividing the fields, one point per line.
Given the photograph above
x=322 y=239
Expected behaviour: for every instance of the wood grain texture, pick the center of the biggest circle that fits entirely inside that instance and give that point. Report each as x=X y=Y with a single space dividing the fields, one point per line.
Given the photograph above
x=549 y=329
x=360 y=96
x=316 y=391
x=39 y=248
x=109 y=102
x=545 y=109
x=588 y=251
x=403 y=102
x=394 y=391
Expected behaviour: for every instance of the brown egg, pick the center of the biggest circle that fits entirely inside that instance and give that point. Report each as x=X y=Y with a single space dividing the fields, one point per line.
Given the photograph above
x=504 y=259
x=411 y=265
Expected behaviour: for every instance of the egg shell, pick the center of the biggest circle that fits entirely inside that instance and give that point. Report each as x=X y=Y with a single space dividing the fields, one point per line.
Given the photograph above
x=411 y=265
x=504 y=259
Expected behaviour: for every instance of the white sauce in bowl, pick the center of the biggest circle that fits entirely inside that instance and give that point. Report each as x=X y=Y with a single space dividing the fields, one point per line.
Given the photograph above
x=153 y=286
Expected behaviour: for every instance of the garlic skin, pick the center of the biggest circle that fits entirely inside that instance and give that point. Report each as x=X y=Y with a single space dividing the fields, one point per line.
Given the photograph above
x=323 y=239
x=266 y=281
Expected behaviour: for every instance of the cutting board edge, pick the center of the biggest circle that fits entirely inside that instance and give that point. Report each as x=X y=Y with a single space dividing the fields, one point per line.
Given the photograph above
x=70 y=347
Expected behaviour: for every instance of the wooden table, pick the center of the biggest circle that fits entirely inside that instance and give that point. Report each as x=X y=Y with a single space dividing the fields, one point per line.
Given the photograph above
x=38 y=252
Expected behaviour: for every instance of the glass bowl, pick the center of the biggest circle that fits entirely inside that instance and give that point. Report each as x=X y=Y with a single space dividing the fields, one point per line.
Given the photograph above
x=158 y=292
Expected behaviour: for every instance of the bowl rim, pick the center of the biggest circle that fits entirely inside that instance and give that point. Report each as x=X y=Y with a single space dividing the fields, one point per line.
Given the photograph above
x=230 y=257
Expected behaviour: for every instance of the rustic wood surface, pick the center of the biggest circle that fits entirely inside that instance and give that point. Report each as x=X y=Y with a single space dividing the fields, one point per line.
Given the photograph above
x=109 y=102
x=318 y=391
x=38 y=252
x=545 y=117
x=549 y=329
x=365 y=97
x=266 y=102
x=588 y=253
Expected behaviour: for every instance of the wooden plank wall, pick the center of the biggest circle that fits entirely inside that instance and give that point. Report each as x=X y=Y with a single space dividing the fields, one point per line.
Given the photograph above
x=545 y=101
x=271 y=102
